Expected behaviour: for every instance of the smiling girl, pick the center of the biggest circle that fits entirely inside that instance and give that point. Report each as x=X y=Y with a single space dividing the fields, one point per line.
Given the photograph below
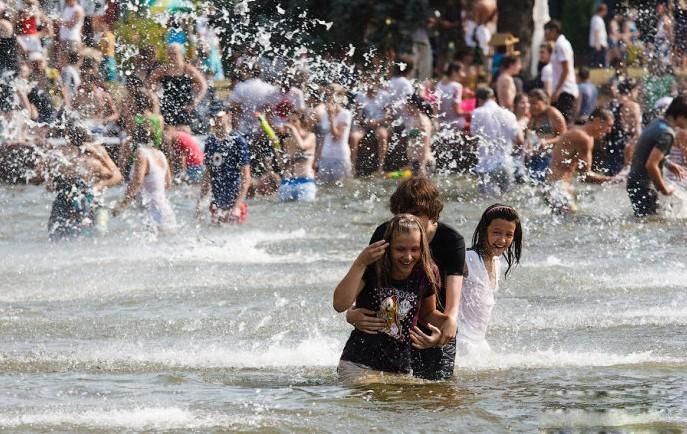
x=499 y=233
x=396 y=278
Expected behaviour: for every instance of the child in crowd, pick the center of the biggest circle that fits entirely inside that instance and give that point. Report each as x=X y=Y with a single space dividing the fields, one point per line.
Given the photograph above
x=298 y=182
x=397 y=278
x=228 y=171
x=499 y=233
x=151 y=177
x=185 y=154
x=106 y=44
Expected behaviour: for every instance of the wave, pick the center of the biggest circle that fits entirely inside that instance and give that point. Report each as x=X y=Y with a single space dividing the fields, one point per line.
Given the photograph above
x=312 y=352
x=542 y=359
x=318 y=352
x=616 y=418
x=143 y=418
x=546 y=318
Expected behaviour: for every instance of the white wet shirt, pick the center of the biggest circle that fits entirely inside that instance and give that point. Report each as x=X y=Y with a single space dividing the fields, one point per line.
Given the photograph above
x=336 y=149
x=476 y=304
x=563 y=52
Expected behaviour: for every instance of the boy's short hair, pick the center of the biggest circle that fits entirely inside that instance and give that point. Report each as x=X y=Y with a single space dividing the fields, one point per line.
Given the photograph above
x=602 y=114
x=584 y=73
x=678 y=107
x=417 y=196
x=73 y=57
x=554 y=25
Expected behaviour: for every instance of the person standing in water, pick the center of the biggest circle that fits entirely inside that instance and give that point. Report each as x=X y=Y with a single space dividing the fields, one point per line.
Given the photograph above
x=572 y=153
x=396 y=278
x=334 y=121
x=434 y=353
x=645 y=179
x=79 y=172
x=183 y=88
x=298 y=182
x=228 y=172
x=499 y=233
x=150 y=177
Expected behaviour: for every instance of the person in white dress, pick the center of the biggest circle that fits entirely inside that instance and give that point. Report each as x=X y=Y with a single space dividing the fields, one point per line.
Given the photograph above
x=150 y=177
x=499 y=233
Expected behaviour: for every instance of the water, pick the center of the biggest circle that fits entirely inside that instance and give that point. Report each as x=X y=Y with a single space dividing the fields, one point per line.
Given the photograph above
x=232 y=329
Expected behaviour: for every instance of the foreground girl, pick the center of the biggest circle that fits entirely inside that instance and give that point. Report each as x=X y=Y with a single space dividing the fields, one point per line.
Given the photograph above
x=396 y=278
x=499 y=233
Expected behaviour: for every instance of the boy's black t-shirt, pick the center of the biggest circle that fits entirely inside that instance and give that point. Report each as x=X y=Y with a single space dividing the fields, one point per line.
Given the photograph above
x=448 y=252
x=399 y=303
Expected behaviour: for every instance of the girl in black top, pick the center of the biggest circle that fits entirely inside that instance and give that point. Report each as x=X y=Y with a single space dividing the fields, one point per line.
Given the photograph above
x=435 y=352
x=396 y=278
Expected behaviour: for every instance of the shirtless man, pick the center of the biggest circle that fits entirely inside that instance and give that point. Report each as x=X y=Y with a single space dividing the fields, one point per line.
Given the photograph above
x=505 y=85
x=572 y=152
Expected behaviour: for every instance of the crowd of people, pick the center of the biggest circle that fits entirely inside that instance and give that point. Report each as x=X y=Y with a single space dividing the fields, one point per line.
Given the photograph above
x=90 y=121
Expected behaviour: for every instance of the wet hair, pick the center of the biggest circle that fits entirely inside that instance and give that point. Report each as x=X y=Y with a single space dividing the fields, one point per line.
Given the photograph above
x=75 y=133
x=539 y=95
x=73 y=57
x=453 y=67
x=142 y=101
x=554 y=25
x=678 y=107
x=417 y=196
x=418 y=102
x=481 y=236
x=602 y=114
x=508 y=61
x=6 y=97
x=143 y=133
x=627 y=86
x=548 y=46
x=409 y=65
x=584 y=73
x=518 y=98
x=404 y=224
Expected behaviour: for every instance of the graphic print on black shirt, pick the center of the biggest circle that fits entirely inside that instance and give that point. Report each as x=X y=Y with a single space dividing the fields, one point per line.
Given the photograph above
x=399 y=303
x=399 y=309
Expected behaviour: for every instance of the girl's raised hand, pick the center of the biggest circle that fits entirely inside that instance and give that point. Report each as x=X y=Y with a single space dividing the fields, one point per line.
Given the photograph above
x=371 y=253
x=421 y=341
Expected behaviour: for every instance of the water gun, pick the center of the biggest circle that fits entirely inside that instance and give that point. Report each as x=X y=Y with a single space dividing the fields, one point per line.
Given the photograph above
x=267 y=128
x=399 y=174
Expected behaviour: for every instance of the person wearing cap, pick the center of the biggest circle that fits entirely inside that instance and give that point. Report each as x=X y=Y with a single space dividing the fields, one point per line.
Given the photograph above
x=228 y=173
x=497 y=130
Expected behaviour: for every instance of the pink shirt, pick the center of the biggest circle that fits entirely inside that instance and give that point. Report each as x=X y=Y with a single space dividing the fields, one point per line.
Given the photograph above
x=188 y=146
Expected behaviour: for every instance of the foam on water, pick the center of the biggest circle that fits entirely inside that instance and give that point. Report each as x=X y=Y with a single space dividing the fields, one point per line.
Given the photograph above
x=317 y=351
x=577 y=418
x=605 y=316
x=560 y=359
x=144 y=418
